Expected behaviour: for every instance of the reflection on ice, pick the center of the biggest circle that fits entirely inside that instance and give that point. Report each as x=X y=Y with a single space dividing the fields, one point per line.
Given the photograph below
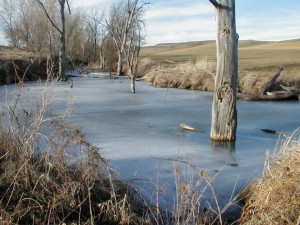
x=140 y=132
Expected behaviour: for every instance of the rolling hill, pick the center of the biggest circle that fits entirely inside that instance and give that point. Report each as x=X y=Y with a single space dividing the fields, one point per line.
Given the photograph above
x=252 y=54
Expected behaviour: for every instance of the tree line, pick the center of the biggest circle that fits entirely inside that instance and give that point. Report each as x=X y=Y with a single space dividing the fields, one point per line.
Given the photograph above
x=52 y=29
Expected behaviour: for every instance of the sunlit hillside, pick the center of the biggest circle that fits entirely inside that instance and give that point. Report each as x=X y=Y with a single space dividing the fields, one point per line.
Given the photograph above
x=252 y=54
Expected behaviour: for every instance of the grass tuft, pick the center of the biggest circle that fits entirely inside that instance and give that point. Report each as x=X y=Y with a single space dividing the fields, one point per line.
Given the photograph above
x=274 y=198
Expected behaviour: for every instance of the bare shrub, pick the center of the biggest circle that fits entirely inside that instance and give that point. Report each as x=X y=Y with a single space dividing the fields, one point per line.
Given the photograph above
x=50 y=173
x=195 y=200
x=274 y=198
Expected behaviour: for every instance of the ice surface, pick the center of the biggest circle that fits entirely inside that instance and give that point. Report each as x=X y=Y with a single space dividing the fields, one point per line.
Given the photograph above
x=140 y=132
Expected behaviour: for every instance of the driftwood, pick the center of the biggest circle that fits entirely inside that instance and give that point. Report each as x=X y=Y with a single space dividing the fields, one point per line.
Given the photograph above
x=273 y=80
x=286 y=95
x=274 y=93
x=189 y=128
x=290 y=88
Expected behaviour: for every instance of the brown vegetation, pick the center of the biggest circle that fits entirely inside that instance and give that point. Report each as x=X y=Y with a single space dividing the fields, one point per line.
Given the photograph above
x=274 y=198
x=258 y=62
x=50 y=174
x=195 y=76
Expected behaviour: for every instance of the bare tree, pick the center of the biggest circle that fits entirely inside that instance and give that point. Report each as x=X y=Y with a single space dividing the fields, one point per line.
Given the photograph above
x=122 y=18
x=62 y=32
x=224 y=114
x=9 y=17
x=103 y=36
x=94 y=29
x=110 y=53
x=76 y=36
x=133 y=51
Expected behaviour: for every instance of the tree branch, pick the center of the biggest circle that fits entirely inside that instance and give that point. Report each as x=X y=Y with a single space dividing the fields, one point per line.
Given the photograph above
x=215 y=3
x=51 y=21
x=69 y=7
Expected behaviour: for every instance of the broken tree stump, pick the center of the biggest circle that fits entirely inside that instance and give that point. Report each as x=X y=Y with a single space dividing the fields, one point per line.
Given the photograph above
x=273 y=80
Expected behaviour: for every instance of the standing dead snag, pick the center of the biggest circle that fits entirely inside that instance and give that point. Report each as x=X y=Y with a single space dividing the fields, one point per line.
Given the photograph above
x=224 y=114
x=273 y=80
x=62 y=32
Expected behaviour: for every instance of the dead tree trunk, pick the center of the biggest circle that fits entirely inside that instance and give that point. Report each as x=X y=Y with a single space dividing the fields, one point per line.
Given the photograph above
x=62 y=56
x=62 y=32
x=224 y=114
x=273 y=80
x=120 y=62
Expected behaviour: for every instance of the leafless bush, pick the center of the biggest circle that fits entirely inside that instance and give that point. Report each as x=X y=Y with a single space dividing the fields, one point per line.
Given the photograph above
x=195 y=199
x=50 y=173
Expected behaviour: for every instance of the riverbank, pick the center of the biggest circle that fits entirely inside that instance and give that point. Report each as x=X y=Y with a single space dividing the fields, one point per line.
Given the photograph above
x=191 y=65
x=200 y=75
x=142 y=131
x=19 y=65
x=49 y=171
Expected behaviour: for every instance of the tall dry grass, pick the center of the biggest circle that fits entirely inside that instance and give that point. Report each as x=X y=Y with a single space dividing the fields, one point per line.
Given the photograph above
x=195 y=199
x=255 y=81
x=274 y=198
x=50 y=173
x=197 y=75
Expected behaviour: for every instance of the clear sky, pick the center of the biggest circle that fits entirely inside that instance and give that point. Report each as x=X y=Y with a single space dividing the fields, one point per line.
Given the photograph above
x=194 y=20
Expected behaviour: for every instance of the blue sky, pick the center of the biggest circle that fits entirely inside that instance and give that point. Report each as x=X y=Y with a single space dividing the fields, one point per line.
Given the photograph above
x=194 y=20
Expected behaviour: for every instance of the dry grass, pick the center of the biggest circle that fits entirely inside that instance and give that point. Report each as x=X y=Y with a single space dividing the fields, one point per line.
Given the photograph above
x=258 y=62
x=274 y=198
x=50 y=174
x=199 y=75
x=252 y=54
x=255 y=81
x=195 y=200
x=12 y=53
x=195 y=76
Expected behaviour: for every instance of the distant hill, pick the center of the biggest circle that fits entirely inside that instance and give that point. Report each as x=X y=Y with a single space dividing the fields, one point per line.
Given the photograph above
x=252 y=54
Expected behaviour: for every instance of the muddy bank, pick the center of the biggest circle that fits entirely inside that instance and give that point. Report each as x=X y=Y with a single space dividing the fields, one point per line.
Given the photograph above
x=21 y=70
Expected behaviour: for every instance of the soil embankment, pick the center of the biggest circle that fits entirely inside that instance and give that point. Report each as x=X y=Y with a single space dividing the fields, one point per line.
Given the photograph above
x=18 y=65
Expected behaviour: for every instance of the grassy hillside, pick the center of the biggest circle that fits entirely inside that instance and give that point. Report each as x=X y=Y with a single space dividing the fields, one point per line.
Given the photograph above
x=252 y=54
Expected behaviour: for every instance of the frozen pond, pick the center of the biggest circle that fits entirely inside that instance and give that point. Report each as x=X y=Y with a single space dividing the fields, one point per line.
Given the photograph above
x=141 y=136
